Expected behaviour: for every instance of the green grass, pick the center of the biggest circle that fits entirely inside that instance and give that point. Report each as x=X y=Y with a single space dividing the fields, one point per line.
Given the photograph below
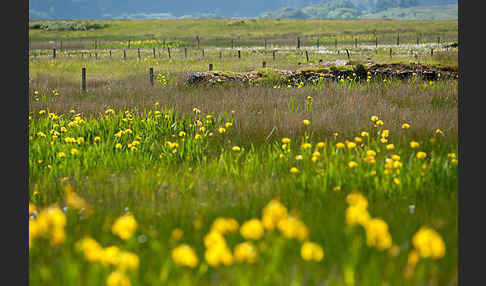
x=252 y=32
x=205 y=179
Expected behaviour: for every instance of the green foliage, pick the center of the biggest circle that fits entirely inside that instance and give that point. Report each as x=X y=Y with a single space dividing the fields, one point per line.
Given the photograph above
x=67 y=25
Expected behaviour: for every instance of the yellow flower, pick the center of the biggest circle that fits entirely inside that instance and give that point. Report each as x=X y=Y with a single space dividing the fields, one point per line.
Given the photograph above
x=74 y=151
x=421 y=155
x=413 y=258
x=379 y=122
x=292 y=227
x=365 y=134
x=352 y=164
x=299 y=157
x=219 y=254
x=306 y=146
x=57 y=236
x=351 y=145
x=320 y=145
x=414 y=144
x=252 y=229
x=385 y=133
x=182 y=133
x=236 y=148
x=383 y=140
x=311 y=251
x=97 y=139
x=357 y=215
x=184 y=255
x=451 y=155
x=405 y=126
x=357 y=199
x=74 y=201
x=286 y=140
x=223 y=225
x=396 y=180
x=228 y=124
x=91 y=249
x=176 y=234
x=340 y=145
x=336 y=188
x=221 y=130
x=110 y=111
x=438 y=131
x=377 y=234
x=118 y=278
x=32 y=209
x=374 y=118
x=358 y=139
x=294 y=170
x=128 y=260
x=272 y=213
x=370 y=159
x=214 y=238
x=428 y=243
x=306 y=122
x=370 y=153
x=390 y=147
x=124 y=226
x=245 y=252
x=61 y=154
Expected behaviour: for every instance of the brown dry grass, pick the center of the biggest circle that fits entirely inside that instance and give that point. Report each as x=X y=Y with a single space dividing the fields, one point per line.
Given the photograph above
x=259 y=110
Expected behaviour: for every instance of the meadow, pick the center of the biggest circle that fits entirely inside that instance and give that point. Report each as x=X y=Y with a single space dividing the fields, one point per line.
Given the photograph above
x=339 y=182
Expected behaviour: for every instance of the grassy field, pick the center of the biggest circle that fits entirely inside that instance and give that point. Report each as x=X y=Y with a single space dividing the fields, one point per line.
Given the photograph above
x=252 y=32
x=335 y=183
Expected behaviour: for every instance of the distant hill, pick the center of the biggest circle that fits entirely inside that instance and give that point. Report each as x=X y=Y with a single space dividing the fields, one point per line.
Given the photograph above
x=390 y=9
x=149 y=9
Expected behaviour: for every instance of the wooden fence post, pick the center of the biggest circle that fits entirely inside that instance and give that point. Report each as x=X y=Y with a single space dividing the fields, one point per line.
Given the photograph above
x=138 y=53
x=298 y=42
x=185 y=52
x=168 y=51
x=264 y=64
x=203 y=53
x=431 y=52
x=124 y=54
x=306 y=56
x=273 y=54
x=197 y=39
x=398 y=39
x=390 y=52
x=335 y=43
x=355 y=42
x=153 y=50
x=129 y=44
x=220 y=55
x=347 y=53
x=265 y=43
x=232 y=44
x=110 y=53
x=376 y=42
x=239 y=54
x=83 y=79
x=151 y=76
x=54 y=53
x=210 y=67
